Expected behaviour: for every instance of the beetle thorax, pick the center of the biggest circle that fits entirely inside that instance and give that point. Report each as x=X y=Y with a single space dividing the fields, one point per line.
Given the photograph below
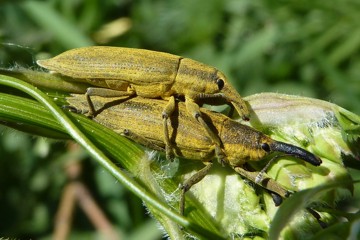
x=195 y=77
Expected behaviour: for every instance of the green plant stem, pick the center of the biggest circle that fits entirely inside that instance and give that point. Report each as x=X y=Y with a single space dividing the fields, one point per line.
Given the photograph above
x=76 y=134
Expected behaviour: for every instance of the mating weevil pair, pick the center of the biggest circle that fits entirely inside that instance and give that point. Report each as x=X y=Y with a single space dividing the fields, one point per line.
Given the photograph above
x=115 y=71
x=118 y=72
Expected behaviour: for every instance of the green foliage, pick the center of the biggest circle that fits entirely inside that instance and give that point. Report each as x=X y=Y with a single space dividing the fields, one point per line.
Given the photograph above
x=305 y=47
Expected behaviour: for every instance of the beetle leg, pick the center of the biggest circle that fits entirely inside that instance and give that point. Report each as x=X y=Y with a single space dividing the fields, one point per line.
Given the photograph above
x=141 y=140
x=74 y=109
x=267 y=183
x=197 y=177
x=277 y=199
x=103 y=92
x=168 y=111
x=259 y=177
x=317 y=216
x=194 y=110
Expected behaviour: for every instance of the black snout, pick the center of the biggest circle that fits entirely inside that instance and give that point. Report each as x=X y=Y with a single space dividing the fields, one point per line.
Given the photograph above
x=296 y=152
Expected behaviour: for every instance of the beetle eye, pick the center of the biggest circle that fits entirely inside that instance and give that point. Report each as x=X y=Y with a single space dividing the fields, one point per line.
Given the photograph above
x=220 y=83
x=265 y=147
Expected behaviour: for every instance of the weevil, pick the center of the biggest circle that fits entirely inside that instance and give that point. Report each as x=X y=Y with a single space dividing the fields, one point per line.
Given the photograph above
x=116 y=71
x=239 y=142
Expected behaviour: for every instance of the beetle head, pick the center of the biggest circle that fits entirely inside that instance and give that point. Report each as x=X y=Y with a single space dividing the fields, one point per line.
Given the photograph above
x=243 y=143
x=231 y=95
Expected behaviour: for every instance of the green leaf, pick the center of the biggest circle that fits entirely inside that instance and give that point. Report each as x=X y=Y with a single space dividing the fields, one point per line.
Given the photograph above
x=291 y=207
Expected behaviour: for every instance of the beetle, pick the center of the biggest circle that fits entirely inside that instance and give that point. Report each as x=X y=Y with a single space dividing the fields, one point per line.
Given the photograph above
x=240 y=143
x=117 y=71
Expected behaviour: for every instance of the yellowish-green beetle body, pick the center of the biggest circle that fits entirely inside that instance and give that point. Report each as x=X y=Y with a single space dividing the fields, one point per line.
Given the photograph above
x=240 y=143
x=115 y=71
x=143 y=70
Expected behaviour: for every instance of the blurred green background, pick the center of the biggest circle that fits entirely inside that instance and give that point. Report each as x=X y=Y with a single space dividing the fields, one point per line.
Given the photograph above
x=309 y=48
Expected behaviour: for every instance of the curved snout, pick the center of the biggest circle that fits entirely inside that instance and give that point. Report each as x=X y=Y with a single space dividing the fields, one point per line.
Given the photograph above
x=239 y=104
x=295 y=152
